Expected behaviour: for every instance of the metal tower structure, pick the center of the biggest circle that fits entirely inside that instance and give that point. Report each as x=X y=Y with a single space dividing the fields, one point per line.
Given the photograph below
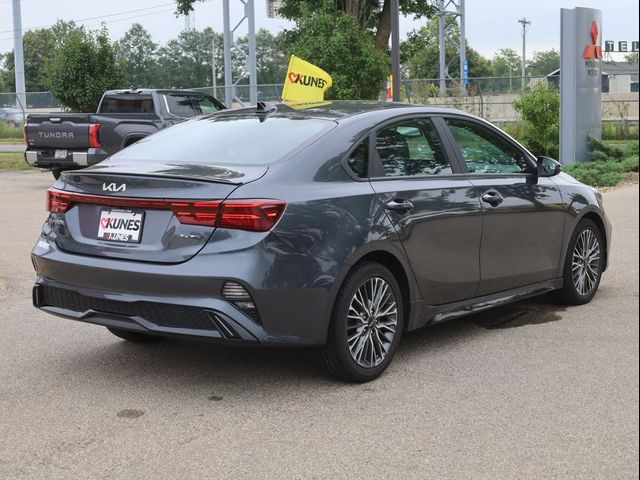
x=450 y=12
x=250 y=56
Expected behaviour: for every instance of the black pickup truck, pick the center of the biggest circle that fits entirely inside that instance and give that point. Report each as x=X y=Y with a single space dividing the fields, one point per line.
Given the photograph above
x=67 y=141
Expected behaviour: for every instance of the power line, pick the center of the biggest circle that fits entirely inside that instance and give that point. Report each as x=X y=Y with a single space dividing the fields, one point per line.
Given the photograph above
x=96 y=18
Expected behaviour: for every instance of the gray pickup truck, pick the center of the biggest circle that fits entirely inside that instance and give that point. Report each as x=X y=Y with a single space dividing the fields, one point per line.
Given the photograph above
x=67 y=141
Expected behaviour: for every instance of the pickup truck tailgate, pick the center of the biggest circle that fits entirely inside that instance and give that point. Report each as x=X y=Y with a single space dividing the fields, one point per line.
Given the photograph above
x=65 y=131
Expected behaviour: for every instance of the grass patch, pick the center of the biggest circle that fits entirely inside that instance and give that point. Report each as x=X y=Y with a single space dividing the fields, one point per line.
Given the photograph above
x=13 y=161
x=10 y=133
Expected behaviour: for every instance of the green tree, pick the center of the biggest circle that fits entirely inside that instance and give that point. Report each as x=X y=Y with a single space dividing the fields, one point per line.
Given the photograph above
x=372 y=15
x=420 y=54
x=543 y=63
x=336 y=43
x=38 y=46
x=540 y=110
x=506 y=63
x=82 y=68
x=137 y=50
x=271 y=59
x=185 y=62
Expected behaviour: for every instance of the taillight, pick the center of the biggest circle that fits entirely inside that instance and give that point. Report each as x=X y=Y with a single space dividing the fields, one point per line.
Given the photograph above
x=26 y=134
x=257 y=215
x=57 y=201
x=93 y=135
x=189 y=212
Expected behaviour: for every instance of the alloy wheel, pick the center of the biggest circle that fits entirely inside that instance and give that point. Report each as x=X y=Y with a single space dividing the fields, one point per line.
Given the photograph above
x=372 y=322
x=585 y=265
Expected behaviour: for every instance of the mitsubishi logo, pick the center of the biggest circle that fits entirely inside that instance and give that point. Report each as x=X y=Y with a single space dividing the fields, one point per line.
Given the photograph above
x=112 y=187
x=594 y=50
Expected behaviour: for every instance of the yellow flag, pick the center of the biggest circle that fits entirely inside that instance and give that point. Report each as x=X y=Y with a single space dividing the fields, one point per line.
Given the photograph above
x=305 y=82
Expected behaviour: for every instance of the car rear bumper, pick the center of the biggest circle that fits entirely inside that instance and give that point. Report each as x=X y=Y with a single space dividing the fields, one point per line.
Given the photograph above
x=74 y=159
x=183 y=299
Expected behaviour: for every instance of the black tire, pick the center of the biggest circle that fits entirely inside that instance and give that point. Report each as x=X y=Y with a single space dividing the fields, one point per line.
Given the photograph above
x=574 y=292
x=336 y=355
x=56 y=173
x=135 y=337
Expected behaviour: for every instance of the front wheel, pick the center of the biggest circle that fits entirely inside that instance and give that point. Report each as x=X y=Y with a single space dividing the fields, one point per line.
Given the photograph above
x=583 y=265
x=366 y=325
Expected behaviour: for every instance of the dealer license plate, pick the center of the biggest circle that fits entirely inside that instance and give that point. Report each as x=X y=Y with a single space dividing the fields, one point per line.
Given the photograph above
x=118 y=225
x=60 y=154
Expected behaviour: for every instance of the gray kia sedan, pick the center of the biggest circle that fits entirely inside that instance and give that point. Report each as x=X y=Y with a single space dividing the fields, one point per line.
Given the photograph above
x=340 y=226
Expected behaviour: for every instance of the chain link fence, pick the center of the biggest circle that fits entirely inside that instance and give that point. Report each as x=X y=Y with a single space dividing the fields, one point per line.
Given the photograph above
x=488 y=97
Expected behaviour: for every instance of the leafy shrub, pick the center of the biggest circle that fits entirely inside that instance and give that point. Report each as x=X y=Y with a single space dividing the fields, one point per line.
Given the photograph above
x=619 y=131
x=609 y=166
x=602 y=151
x=540 y=110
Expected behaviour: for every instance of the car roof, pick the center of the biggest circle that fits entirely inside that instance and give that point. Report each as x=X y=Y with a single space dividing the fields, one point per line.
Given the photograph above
x=148 y=91
x=338 y=110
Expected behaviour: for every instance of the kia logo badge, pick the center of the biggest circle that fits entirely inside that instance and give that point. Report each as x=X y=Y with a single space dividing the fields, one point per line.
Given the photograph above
x=112 y=187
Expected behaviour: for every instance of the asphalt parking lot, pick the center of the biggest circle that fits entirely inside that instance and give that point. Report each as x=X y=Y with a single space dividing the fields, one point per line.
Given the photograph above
x=528 y=391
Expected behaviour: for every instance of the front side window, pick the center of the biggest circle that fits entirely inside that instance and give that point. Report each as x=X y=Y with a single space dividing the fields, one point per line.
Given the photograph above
x=411 y=148
x=485 y=151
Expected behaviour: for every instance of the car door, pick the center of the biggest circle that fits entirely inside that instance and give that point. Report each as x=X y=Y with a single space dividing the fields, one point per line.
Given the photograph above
x=523 y=217
x=429 y=204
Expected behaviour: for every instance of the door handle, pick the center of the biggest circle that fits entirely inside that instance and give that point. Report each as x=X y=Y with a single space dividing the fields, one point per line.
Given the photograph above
x=492 y=198
x=400 y=206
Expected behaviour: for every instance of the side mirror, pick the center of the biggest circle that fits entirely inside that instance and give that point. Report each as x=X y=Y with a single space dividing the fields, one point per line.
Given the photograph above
x=548 y=167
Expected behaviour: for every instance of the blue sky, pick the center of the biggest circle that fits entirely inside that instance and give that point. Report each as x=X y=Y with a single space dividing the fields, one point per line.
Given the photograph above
x=491 y=24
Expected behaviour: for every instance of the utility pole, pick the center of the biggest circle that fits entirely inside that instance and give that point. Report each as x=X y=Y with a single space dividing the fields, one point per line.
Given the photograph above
x=525 y=23
x=18 y=58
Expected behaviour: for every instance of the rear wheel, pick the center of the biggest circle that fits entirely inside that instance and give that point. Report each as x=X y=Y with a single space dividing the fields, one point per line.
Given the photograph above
x=583 y=264
x=366 y=325
x=136 y=337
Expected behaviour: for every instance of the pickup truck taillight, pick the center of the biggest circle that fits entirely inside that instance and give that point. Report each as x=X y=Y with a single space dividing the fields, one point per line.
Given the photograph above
x=93 y=135
x=26 y=133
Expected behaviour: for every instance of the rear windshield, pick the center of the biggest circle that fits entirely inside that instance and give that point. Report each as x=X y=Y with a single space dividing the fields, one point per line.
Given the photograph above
x=127 y=104
x=189 y=105
x=226 y=139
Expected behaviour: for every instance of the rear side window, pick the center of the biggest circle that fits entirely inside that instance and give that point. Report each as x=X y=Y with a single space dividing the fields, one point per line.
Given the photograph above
x=411 y=148
x=359 y=159
x=226 y=139
x=122 y=104
x=190 y=105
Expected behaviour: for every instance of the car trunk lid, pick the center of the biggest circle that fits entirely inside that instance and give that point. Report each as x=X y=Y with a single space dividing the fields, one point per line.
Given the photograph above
x=144 y=213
